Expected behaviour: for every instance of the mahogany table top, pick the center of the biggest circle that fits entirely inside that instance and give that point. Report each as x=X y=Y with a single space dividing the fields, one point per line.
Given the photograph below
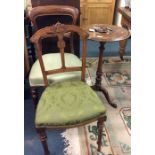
x=111 y=33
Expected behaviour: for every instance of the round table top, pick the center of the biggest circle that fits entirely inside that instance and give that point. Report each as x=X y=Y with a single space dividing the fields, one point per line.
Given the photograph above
x=112 y=33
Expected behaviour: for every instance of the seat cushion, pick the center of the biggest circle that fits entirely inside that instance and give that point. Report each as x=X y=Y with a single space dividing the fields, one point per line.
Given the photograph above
x=53 y=61
x=67 y=103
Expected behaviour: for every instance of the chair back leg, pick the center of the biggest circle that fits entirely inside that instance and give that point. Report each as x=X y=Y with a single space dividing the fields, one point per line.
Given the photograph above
x=43 y=138
x=100 y=125
x=34 y=96
x=72 y=43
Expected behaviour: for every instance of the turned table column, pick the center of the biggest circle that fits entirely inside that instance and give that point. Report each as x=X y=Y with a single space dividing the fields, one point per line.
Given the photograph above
x=99 y=72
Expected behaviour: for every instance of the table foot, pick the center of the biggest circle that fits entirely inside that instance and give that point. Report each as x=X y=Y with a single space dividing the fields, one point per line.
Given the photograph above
x=106 y=94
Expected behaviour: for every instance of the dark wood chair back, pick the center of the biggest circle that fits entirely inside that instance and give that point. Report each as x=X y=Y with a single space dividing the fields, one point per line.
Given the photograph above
x=42 y=16
x=59 y=30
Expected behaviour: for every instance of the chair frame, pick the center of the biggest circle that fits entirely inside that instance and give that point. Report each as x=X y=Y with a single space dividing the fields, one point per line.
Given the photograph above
x=59 y=30
x=52 y=10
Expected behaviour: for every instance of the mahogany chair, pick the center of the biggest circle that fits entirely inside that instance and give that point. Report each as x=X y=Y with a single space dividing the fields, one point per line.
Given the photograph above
x=68 y=103
x=42 y=16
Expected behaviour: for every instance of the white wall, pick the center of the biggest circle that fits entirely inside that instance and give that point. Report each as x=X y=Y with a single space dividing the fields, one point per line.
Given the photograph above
x=117 y=16
x=27 y=4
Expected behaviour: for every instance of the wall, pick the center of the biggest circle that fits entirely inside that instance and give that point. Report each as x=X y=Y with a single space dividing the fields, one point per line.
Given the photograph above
x=117 y=16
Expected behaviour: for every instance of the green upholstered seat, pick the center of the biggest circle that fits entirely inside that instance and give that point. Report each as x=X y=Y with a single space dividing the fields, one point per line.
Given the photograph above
x=67 y=103
x=53 y=61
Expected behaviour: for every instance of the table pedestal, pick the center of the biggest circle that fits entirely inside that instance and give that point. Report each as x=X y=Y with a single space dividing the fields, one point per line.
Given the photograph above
x=97 y=85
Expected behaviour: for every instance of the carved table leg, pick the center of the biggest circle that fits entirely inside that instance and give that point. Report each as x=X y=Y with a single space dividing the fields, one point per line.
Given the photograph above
x=122 y=45
x=34 y=96
x=43 y=139
x=97 y=85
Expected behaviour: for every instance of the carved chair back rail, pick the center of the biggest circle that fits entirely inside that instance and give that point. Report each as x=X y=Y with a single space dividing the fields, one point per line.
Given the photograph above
x=59 y=30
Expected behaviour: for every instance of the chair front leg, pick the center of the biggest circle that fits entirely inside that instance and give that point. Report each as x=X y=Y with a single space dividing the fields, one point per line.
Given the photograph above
x=100 y=125
x=43 y=138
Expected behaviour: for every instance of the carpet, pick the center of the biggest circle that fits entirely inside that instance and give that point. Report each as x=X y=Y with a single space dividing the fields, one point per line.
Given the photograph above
x=117 y=132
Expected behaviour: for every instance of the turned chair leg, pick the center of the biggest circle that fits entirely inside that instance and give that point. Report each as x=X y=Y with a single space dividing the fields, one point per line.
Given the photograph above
x=34 y=96
x=43 y=138
x=100 y=125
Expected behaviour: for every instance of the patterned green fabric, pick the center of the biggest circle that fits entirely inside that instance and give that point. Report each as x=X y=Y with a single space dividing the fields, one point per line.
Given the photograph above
x=67 y=103
x=53 y=61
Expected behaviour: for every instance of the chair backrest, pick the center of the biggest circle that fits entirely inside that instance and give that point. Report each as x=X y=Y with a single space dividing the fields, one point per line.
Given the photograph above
x=59 y=30
x=41 y=16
